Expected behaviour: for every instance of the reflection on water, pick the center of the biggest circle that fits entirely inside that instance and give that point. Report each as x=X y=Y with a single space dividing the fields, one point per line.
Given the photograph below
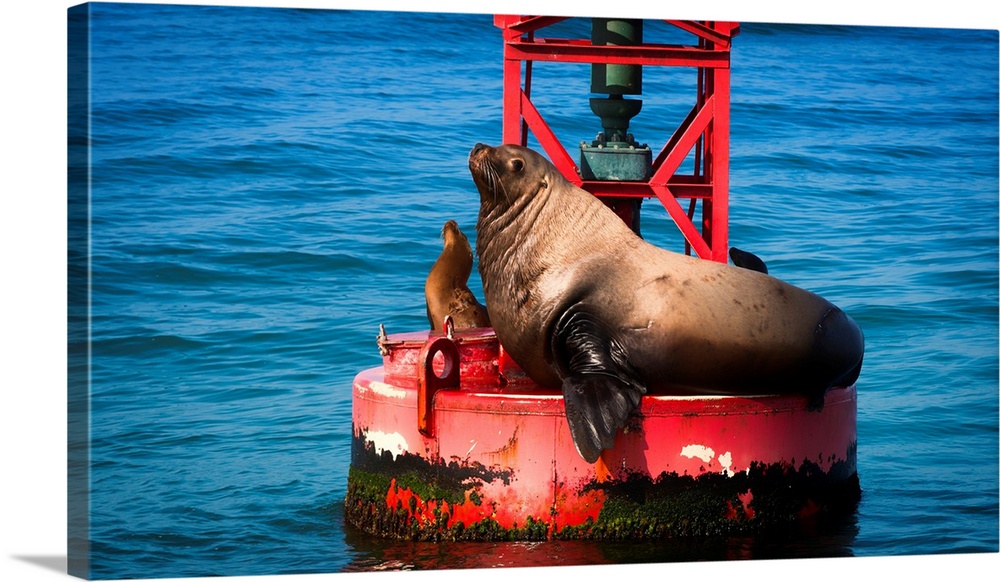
x=827 y=537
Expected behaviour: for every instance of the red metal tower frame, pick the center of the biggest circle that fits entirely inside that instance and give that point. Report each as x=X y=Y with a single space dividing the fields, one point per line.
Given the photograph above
x=705 y=130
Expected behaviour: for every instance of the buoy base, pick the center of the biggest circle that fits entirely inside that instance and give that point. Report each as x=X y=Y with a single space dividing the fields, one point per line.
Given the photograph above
x=484 y=454
x=430 y=502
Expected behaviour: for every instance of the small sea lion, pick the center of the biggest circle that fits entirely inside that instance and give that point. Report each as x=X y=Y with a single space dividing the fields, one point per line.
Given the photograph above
x=446 y=289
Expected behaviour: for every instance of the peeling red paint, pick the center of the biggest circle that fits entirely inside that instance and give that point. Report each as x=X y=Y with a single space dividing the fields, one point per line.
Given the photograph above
x=404 y=499
x=730 y=513
x=576 y=508
x=746 y=499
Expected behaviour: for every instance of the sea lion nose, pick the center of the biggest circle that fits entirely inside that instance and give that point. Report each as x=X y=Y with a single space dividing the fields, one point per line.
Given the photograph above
x=478 y=148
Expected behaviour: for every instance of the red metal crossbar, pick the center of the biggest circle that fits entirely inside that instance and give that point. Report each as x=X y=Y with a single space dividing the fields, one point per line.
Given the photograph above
x=705 y=130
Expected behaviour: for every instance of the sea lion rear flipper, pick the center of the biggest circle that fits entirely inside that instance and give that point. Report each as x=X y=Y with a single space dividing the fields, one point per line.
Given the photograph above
x=839 y=352
x=747 y=260
x=600 y=388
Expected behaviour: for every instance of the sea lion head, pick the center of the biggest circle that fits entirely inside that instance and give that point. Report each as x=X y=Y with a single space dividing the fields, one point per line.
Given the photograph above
x=456 y=244
x=509 y=176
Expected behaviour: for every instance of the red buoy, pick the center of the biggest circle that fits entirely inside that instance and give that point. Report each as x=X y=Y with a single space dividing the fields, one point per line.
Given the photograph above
x=452 y=441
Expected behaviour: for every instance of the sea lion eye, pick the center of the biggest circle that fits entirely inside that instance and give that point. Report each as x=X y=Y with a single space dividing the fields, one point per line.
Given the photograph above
x=516 y=165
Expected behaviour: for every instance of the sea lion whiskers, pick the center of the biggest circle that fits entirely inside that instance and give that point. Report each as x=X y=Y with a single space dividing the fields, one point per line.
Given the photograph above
x=494 y=184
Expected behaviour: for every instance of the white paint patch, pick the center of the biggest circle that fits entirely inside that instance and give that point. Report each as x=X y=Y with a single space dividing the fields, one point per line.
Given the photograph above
x=701 y=451
x=388 y=441
x=469 y=452
x=726 y=460
x=387 y=390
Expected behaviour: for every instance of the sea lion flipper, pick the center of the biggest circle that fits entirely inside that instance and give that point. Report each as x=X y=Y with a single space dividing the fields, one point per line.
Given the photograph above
x=596 y=407
x=747 y=260
x=600 y=388
x=839 y=351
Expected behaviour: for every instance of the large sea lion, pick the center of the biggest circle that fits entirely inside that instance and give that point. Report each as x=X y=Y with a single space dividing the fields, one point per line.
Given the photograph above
x=582 y=303
x=446 y=289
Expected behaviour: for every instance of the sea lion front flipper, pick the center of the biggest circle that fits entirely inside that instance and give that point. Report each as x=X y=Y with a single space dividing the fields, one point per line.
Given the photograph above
x=600 y=388
x=747 y=260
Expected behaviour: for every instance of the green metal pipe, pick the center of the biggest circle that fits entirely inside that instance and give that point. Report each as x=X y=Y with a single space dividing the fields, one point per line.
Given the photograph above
x=609 y=78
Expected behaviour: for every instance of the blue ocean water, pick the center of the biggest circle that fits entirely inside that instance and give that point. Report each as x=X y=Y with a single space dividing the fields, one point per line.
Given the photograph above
x=269 y=185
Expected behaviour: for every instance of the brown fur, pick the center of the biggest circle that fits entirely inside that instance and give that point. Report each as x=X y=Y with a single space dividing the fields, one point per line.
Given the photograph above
x=446 y=289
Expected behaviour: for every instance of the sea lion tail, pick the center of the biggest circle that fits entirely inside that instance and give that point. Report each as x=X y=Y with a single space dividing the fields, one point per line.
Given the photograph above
x=600 y=388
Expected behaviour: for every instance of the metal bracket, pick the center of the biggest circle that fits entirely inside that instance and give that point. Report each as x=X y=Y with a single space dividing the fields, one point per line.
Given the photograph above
x=429 y=382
